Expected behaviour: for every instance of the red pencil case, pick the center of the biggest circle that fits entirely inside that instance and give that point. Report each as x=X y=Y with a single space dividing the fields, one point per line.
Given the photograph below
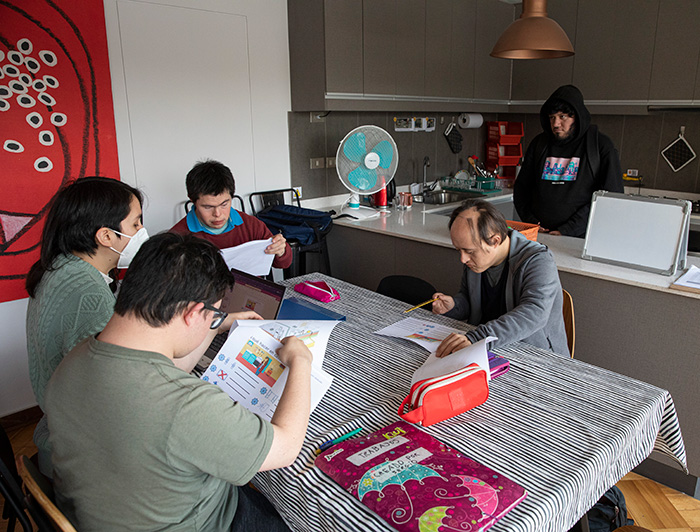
x=439 y=398
x=320 y=290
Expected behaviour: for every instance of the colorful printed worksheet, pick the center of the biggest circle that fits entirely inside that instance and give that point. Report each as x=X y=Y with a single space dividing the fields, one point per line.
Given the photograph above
x=427 y=334
x=248 y=370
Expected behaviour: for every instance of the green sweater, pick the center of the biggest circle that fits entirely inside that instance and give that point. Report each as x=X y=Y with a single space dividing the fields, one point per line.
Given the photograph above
x=71 y=303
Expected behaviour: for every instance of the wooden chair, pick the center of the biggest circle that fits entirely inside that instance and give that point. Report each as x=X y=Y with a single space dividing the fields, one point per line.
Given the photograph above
x=42 y=492
x=569 y=322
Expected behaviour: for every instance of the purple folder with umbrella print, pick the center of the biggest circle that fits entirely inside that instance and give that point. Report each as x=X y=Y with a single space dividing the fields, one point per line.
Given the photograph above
x=416 y=483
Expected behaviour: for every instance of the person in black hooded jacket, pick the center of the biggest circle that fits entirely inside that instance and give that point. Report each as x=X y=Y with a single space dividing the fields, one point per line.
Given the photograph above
x=564 y=165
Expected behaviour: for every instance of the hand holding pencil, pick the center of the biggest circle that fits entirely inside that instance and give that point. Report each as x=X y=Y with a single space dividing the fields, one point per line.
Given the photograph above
x=442 y=303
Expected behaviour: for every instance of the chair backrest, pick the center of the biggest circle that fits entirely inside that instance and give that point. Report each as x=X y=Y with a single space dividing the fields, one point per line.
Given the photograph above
x=16 y=508
x=268 y=198
x=406 y=288
x=569 y=322
x=236 y=197
x=42 y=493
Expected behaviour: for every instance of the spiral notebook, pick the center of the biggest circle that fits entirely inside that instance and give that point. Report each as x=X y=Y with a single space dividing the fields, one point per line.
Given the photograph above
x=416 y=483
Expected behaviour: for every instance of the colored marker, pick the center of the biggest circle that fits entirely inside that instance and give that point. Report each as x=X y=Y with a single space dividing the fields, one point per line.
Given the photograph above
x=331 y=443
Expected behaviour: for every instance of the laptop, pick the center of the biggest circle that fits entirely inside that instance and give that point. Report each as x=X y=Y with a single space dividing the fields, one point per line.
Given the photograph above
x=249 y=293
x=254 y=293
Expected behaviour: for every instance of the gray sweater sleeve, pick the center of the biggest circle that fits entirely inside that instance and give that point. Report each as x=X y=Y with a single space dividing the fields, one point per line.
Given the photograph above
x=538 y=286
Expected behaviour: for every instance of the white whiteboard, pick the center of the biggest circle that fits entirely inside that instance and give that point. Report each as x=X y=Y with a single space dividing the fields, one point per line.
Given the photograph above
x=643 y=233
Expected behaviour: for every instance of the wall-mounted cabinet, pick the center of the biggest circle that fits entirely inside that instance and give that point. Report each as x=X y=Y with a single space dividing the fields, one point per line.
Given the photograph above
x=676 y=51
x=630 y=54
x=397 y=54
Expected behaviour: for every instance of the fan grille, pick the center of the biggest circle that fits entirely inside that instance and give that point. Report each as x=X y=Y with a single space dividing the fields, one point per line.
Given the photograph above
x=373 y=136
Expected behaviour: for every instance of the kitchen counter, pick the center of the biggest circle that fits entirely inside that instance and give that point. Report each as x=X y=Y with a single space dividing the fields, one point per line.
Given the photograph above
x=428 y=224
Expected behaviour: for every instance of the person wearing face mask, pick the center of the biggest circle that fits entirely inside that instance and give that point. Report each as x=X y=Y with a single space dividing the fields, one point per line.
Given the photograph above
x=564 y=165
x=93 y=226
x=510 y=287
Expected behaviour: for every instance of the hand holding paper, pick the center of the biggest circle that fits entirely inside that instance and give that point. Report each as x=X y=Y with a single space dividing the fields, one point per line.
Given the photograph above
x=454 y=342
x=250 y=257
x=434 y=366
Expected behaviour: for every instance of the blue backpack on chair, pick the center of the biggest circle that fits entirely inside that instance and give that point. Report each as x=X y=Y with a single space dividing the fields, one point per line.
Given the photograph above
x=297 y=223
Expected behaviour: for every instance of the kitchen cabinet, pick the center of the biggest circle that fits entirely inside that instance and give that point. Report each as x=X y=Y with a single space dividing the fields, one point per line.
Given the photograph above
x=676 y=51
x=614 y=48
x=491 y=75
x=343 y=46
x=397 y=55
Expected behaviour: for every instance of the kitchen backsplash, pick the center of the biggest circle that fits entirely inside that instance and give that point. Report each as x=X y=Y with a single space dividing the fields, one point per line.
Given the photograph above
x=321 y=139
x=639 y=140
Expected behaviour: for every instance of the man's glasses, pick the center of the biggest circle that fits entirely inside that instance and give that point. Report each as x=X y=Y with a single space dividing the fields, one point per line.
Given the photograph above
x=219 y=316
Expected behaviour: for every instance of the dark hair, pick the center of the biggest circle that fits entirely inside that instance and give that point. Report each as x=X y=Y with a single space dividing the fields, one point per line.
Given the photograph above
x=489 y=223
x=209 y=178
x=77 y=212
x=559 y=106
x=168 y=273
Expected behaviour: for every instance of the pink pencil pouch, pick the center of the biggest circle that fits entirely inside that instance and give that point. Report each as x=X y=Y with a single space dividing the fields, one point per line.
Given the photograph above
x=320 y=290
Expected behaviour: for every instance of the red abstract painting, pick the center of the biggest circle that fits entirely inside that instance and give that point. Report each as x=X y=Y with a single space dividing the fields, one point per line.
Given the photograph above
x=56 y=118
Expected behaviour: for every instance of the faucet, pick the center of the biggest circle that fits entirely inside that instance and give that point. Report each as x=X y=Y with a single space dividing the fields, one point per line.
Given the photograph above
x=426 y=163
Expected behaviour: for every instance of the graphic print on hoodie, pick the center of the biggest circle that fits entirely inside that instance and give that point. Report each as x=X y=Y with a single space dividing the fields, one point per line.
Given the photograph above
x=561 y=168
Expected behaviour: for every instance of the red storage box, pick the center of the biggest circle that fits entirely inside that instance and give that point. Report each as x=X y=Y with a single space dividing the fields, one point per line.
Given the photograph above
x=504 y=133
x=500 y=155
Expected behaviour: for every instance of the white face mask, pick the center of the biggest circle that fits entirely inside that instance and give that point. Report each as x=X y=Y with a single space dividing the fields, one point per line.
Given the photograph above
x=135 y=241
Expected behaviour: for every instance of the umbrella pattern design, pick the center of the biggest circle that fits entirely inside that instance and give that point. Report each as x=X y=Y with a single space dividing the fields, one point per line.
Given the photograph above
x=417 y=472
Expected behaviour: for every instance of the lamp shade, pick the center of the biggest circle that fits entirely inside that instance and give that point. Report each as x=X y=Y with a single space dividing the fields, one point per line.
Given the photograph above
x=533 y=36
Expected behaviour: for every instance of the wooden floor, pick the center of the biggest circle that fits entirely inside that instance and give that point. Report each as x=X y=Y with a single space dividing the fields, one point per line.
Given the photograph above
x=651 y=505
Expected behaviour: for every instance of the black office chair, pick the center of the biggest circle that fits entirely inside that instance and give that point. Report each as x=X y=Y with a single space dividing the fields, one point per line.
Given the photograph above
x=236 y=197
x=407 y=288
x=270 y=198
x=18 y=507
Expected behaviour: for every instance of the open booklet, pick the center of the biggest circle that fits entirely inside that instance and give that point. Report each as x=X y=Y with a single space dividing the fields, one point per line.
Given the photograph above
x=429 y=334
x=248 y=370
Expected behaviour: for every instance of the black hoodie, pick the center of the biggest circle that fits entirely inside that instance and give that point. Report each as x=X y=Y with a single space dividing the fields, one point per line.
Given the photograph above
x=563 y=204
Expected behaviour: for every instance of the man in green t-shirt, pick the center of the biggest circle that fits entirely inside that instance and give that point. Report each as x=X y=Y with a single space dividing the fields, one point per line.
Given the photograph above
x=138 y=444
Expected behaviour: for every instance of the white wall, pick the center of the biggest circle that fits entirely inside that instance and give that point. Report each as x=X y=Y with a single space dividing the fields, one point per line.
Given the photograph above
x=191 y=79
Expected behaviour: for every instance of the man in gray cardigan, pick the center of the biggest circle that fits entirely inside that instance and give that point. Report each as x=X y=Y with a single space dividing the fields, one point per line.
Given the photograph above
x=510 y=287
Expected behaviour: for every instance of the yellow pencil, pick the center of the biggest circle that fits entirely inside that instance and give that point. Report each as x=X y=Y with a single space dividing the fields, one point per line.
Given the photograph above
x=424 y=303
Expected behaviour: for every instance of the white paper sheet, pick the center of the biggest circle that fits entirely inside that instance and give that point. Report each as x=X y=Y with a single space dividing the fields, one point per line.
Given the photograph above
x=247 y=369
x=250 y=257
x=427 y=334
x=314 y=333
x=434 y=366
x=690 y=279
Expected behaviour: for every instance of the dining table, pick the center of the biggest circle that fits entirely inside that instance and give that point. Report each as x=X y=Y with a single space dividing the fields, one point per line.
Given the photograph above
x=563 y=429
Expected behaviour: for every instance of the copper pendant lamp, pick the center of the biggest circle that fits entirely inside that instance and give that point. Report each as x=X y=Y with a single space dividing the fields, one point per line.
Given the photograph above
x=533 y=36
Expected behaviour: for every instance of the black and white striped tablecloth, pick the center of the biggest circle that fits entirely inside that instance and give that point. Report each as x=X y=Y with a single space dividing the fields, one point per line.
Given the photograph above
x=561 y=428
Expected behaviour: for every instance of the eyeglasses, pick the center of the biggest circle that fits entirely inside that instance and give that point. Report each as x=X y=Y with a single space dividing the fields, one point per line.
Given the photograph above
x=219 y=316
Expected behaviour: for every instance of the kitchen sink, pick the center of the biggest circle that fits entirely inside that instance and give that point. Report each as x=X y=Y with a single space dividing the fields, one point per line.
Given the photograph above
x=442 y=197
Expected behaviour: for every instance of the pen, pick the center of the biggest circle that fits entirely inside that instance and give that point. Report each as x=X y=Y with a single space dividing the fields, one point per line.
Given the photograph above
x=421 y=305
x=331 y=443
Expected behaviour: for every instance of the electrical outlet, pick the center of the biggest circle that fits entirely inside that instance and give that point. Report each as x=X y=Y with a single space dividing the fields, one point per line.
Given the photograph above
x=632 y=172
x=298 y=189
x=317 y=162
x=330 y=162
